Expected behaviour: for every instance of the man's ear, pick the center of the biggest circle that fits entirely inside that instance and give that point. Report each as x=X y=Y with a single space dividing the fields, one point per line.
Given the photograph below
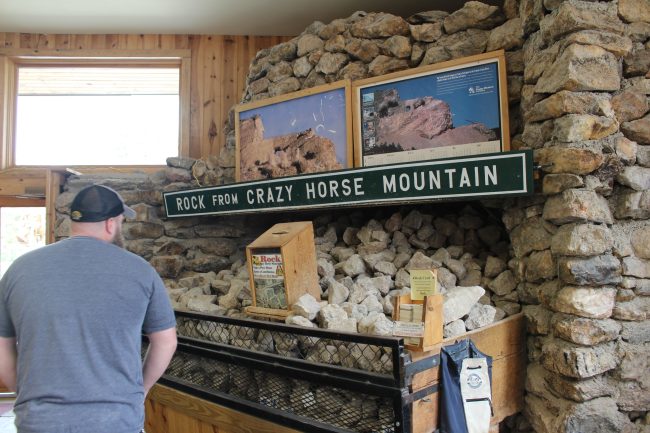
x=110 y=226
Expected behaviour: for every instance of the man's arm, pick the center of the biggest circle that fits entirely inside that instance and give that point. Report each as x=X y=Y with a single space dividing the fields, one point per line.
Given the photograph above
x=162 y=345
x=8 y=362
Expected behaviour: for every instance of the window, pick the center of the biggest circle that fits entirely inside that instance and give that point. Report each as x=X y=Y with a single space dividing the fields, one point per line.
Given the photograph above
x=97 y=113
x=22 y=229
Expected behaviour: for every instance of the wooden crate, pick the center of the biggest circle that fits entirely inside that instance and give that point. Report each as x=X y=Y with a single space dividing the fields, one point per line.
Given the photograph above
x=288 y=248
x=431 y=317
x=172 y=411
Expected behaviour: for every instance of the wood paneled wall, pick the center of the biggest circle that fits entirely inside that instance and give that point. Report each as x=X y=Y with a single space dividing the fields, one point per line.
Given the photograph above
x=219 y=65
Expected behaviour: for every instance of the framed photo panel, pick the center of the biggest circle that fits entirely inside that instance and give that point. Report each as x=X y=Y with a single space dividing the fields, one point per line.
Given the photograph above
x=454 y=108
x=308 y=131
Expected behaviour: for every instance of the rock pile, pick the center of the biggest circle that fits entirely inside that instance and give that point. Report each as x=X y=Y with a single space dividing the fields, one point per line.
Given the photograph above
x=347 y=409
x=361 y=270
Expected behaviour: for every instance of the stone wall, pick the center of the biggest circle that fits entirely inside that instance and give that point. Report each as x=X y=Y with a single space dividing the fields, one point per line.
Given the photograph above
x=576 y=254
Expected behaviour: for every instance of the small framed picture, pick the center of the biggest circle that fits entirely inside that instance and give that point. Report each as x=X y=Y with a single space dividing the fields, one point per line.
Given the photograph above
x=308 y=131
x=450 y=109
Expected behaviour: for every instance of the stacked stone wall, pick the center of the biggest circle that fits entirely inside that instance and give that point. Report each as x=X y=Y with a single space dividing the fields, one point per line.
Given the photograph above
x=576 y=258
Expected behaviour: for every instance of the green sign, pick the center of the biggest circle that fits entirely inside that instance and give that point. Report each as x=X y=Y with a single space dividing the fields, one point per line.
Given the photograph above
x=498 y=174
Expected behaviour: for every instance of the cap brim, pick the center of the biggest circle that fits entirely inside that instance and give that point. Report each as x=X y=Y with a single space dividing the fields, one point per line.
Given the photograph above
x=128 y=212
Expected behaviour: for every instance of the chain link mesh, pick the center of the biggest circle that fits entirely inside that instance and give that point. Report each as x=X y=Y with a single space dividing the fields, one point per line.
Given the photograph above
x=327 y=404
x=350 y=354
x=338 y=404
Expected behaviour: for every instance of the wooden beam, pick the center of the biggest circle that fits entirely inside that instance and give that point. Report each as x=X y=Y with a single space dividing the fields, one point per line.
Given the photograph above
x=95 y=54
x=32 y=182
x=23 y=183
x=21 y=202
x=7 y=103
x=53 y=187
x=184 y=101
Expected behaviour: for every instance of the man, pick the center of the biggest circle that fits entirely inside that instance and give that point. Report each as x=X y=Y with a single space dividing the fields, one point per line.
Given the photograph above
x=71 y=318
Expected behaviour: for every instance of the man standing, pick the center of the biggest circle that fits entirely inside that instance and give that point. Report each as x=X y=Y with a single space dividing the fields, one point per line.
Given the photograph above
x=71 y=318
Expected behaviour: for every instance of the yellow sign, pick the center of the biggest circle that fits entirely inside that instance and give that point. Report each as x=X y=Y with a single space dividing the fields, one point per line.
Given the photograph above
x=423 y=283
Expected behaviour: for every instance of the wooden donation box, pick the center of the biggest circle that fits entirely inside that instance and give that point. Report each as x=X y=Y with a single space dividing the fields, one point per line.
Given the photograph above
x=418 y=315
x=282 y=268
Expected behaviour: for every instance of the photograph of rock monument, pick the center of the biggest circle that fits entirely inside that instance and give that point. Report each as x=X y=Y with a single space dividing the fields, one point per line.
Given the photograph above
x=448 y=112
x=306 y=132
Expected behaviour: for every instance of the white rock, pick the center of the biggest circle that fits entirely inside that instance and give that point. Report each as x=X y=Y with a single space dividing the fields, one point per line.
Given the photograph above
x=205 y=304
x=402 y=279
x=292 y=319
x=453 y=329
x=376 y=324
x=325 y=268
x=441 y=255
x=331 y=314
x=479 y=316
x=372 y=303
x=354 y=266
x=363 y=287
x=345 y=325
x=175 y=294
x=355 y=311
x=306 y=306
x=382 y=256
x=388 y=305
x=386 y=268
x=337 y=293
x=419 y=261
x=458 y=302
x=446 y=278
x=457 y=267
x=383 y=284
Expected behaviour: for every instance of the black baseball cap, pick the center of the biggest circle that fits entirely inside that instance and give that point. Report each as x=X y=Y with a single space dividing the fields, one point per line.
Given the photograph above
x=98 y=203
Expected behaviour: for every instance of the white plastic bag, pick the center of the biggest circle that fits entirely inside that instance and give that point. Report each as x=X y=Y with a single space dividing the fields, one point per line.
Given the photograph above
x=476 y=392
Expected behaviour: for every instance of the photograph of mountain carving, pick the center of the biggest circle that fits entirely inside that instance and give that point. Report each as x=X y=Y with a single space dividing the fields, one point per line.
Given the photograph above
x=303 y=132
x=455 y=108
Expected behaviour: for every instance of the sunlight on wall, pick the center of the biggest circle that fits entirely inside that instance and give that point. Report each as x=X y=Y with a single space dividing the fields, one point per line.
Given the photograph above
x=22 y=229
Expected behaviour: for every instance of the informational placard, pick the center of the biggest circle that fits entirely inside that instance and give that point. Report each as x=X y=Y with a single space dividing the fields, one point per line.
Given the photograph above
x=496 y=175
x=268 y=278
x=405 y=329
x=423 y=283
x=410 y=323
x=285 y=135
x=454 y=108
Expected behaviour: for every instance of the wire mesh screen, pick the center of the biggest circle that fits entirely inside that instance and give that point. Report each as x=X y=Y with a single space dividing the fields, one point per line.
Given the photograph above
x=297 y=376
x=344 y=409
x=371 y=354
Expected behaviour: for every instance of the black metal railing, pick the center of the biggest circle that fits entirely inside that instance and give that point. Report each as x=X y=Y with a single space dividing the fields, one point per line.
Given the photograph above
x=355 y=351
x=307 y=378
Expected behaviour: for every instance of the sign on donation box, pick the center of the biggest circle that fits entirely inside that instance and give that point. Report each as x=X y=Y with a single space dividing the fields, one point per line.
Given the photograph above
x=418 y=315
x=282 y=268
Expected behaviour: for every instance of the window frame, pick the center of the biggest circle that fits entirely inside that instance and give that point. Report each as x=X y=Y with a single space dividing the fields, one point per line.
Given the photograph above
x=9 y=80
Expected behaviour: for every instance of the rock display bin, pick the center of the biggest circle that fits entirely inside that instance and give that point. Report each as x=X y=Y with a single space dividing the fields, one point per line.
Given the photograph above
x=321 y=381
x=573 y=258
x=289 y=248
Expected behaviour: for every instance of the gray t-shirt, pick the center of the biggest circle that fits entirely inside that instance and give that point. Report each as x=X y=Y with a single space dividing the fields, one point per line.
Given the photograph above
x=77 y=309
